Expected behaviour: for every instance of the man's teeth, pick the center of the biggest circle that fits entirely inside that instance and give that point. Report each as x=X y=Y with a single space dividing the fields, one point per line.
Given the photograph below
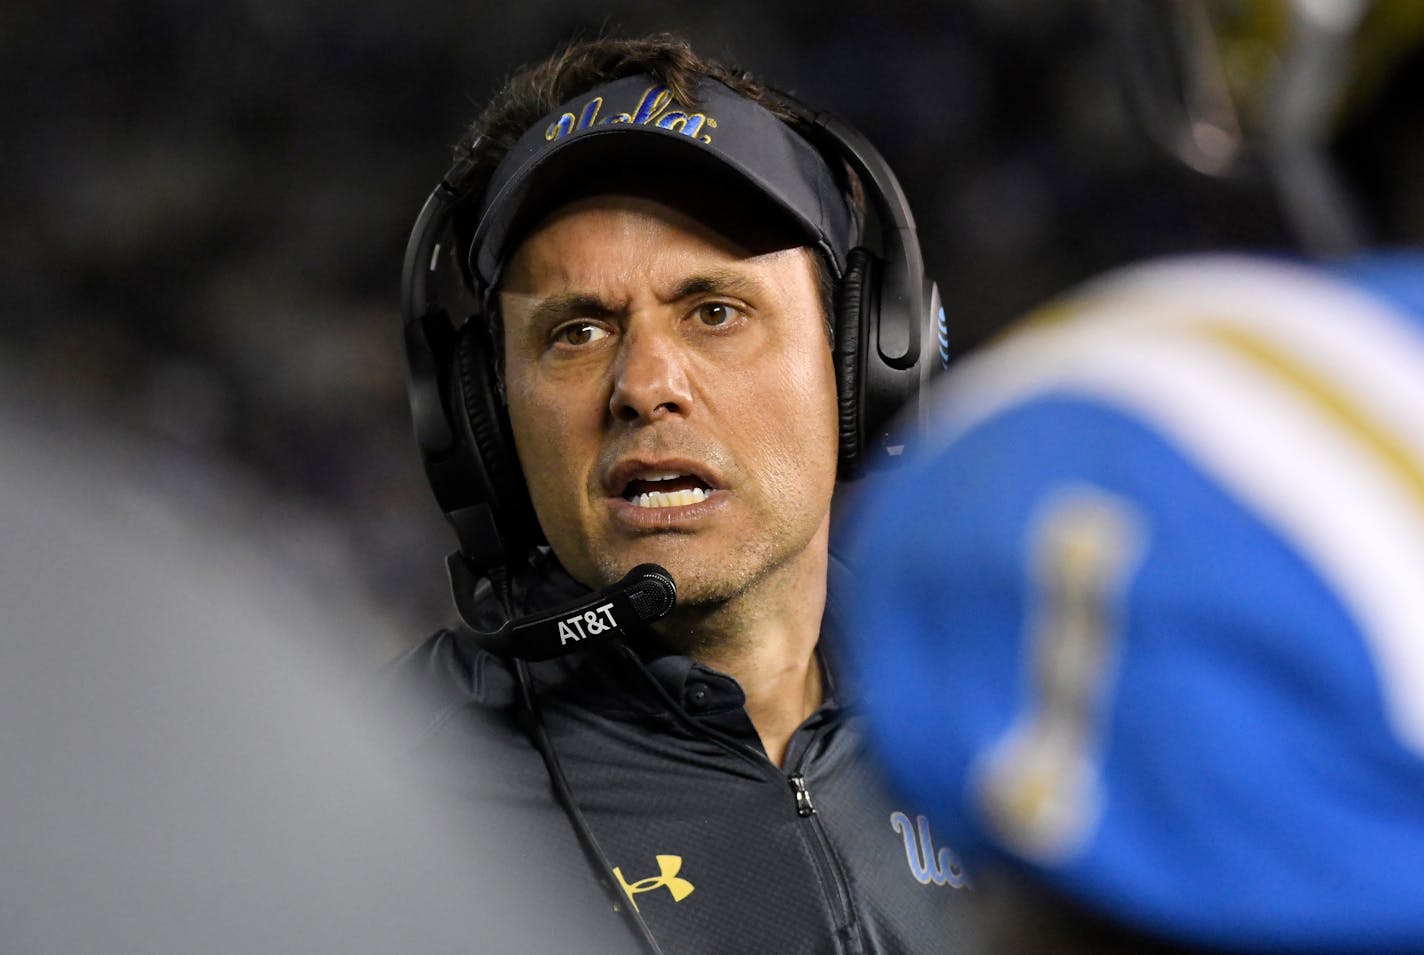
x=674 y=499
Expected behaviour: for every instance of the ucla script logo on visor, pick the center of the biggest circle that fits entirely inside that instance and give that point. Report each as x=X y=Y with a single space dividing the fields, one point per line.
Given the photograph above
x=635 y=130
x=656 y=107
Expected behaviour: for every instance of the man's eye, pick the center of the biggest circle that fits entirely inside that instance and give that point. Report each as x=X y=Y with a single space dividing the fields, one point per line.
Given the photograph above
x=579 y=333
x=716 y=313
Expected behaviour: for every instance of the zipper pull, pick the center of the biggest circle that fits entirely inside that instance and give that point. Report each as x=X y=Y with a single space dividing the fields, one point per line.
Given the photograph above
x=804 y=806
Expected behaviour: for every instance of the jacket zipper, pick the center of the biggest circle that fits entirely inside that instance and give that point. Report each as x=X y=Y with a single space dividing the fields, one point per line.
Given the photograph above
x=804 y=806
x=832 y=874
x=828 y=865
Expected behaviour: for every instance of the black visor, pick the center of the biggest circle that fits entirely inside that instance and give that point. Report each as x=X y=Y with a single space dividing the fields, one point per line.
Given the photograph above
x=631 y=135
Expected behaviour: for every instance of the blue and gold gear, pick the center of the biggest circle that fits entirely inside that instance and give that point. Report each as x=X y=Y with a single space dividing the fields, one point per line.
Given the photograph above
x=1143 y=616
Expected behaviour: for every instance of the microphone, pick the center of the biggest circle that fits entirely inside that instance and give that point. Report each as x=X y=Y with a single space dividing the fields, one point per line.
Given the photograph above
x=646 y=593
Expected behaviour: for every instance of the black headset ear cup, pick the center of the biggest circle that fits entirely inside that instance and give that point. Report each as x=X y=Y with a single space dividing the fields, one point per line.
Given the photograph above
x=490 y=439
x=854 y=295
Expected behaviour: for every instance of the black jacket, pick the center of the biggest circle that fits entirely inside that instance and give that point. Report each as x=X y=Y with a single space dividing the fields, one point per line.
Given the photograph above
x=720 y=850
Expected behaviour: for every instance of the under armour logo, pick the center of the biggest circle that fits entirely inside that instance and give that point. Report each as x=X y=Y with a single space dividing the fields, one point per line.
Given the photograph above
x=667 y=877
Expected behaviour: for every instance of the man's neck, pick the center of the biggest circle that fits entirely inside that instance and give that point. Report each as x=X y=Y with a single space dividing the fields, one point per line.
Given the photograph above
x=782 y=684
x=766 y=639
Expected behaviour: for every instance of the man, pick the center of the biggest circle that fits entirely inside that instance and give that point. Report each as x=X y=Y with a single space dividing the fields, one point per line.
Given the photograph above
x=662 y=254
x=1159 y=667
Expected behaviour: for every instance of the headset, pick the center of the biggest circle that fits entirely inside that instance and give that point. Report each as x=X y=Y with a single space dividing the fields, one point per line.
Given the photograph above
x=886 y=314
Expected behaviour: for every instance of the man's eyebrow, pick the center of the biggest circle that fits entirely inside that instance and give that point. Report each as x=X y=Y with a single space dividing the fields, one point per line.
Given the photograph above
x=723 y=281
x=571 y=305
x=557 y=308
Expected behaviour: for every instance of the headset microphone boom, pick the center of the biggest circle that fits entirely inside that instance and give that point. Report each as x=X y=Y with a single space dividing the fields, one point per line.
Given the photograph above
x=645 y=594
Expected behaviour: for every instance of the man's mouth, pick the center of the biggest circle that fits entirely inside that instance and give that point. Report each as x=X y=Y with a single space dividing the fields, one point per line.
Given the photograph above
x=665 y=489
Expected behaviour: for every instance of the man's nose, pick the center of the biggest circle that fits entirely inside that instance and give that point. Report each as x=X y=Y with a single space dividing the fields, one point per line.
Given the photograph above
x=649 y=376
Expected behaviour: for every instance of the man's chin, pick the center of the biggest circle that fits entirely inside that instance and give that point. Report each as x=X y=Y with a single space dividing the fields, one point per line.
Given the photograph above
x=702 y=581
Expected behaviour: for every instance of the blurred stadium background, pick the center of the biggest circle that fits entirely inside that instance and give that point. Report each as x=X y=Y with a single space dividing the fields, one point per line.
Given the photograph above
x=207 y=203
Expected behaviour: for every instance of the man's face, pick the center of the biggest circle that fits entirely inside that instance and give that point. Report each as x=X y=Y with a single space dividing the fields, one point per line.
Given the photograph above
x=672 y=397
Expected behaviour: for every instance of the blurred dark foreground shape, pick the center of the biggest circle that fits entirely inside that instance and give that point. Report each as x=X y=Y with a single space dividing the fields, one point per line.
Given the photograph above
x=187 y=765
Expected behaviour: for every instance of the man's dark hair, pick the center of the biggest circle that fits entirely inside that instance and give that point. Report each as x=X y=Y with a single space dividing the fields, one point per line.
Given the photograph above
x=533 y=92
x=536 y=90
